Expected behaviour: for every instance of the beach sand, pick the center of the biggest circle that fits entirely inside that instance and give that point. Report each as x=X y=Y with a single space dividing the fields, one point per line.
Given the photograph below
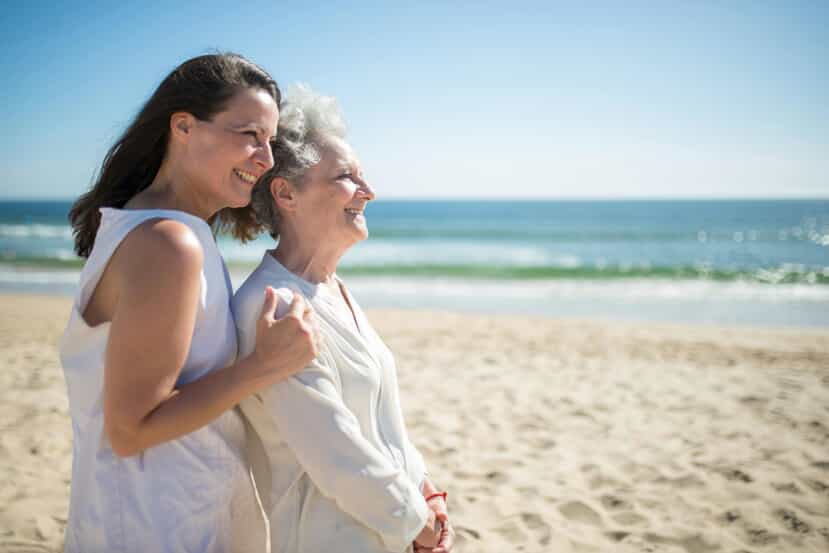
x=550 y=436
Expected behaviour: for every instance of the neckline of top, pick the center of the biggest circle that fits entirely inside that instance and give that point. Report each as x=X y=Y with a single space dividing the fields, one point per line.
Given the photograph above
x=311 y=290
x=306 y=286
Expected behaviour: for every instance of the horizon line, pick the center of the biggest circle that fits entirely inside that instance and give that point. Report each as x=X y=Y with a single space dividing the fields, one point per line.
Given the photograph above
x=511 y=198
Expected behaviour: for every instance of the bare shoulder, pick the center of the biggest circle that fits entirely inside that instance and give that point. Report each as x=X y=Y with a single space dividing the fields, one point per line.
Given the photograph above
x=164 y=241
x=157 y=259
x=161 y=250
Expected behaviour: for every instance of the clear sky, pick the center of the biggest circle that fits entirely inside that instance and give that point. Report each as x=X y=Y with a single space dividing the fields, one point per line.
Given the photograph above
x=456 y=99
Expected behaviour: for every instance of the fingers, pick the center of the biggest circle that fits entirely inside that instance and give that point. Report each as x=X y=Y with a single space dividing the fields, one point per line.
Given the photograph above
x=298 y=307
x=447 y=540
x=301 y=310
x=271 y=302
x=305 y=313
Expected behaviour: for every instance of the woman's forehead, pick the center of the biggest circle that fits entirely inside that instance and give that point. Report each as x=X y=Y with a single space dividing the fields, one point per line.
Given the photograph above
x=251 y=105
x=339 y=151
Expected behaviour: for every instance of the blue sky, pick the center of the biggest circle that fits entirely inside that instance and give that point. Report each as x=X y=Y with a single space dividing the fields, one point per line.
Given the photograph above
x=457 y=99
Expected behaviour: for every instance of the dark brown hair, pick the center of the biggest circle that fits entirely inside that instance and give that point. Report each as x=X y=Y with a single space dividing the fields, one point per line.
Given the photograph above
x=201 y=86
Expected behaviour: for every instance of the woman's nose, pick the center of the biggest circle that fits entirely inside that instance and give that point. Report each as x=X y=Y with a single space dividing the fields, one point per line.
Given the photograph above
x=264 y=156
x=366 y=189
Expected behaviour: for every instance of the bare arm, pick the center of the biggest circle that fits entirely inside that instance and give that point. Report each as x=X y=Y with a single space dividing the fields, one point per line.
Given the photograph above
x=157 y=277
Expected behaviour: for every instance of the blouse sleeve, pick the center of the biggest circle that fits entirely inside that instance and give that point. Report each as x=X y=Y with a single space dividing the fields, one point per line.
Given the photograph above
x=418 y=466
x=325 y=436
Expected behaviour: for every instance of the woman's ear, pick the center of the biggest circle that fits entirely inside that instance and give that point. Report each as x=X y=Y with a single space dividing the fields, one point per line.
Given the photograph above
x=283 y=193
x=181 y=125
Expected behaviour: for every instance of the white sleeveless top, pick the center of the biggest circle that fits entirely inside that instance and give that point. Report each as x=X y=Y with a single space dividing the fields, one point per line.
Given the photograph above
x=192 y=494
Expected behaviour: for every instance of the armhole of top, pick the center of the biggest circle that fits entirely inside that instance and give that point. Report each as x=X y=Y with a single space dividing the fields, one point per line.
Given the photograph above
x=99 y=260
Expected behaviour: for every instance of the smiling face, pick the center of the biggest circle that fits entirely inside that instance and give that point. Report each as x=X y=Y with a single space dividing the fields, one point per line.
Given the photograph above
x=332 y=197
x=227 y=154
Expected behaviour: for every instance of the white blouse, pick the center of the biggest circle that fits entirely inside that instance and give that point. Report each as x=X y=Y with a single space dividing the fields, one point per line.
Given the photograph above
x=333 y=463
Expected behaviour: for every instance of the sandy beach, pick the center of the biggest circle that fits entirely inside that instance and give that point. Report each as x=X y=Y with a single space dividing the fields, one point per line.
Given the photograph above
x=550 y=436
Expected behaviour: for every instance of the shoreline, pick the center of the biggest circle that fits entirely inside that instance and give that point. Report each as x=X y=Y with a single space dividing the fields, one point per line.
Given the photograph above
x=550 y=435
x=694 y=302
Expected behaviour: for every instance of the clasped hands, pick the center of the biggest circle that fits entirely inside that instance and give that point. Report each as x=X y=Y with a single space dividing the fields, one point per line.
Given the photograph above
x=438 y=536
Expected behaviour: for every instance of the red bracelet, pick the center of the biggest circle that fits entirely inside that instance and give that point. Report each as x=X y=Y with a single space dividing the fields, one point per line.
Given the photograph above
x=436 y=494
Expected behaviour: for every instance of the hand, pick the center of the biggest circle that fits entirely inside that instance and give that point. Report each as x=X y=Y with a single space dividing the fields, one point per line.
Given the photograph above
x=429 y=537
x=446 y=539
x=286 y=345
x=445 y=543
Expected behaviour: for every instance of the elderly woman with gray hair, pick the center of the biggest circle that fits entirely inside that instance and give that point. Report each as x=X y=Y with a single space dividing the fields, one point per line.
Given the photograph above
x=333 y=463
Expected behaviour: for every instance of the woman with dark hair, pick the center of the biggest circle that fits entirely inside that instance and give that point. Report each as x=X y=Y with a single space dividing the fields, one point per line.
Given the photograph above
x=149 y=352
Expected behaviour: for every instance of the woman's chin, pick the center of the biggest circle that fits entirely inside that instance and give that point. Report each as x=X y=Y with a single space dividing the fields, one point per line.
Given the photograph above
x=239 y=200
x=358 y=229
x=357 y=236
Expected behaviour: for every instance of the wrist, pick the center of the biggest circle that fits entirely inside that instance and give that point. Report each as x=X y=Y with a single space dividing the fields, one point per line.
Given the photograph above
x=257 y=359
x=435 y=495
x=253 y=372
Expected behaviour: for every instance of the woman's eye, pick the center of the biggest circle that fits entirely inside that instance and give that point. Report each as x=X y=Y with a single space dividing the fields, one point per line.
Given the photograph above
x=254 y=134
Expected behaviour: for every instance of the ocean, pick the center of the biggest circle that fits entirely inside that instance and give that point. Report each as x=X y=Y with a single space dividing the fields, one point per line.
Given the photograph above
x=756 y=262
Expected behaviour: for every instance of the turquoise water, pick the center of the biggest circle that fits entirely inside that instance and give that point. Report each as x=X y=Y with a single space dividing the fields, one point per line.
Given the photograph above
x=533 y=256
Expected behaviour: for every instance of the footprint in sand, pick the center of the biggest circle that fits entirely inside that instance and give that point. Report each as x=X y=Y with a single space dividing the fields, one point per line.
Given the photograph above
x=617 y=536
x=512 y=531
x=629 y=518
x=496 y=477
x=817 y=485
x=691 y=544
x=527 y=492
x=464 y=535
x=613 y=502
x=688 y=481
x=824 y=465
x=533 y=521
x=730 y=516
x=538 y=526
x=639 y=543
x=788 y=487
x=736 y=475
x=760 y=536
x=792 y=521
x=577 y=511
x=543 y=444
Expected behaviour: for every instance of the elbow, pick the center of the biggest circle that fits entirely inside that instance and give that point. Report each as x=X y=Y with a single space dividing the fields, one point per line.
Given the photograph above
x=123 y=441
x=125 y=451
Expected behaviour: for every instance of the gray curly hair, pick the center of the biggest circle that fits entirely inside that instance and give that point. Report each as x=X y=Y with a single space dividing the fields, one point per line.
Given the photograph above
x=307 y=120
